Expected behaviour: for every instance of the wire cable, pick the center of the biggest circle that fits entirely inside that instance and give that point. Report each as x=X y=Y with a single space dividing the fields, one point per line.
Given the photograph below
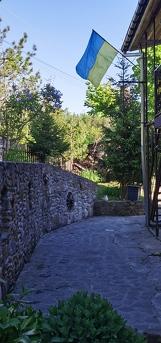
x=53 y=67
x=46 y=63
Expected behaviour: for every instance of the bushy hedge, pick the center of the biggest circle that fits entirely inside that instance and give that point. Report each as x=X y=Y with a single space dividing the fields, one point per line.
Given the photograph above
x=91 y=175
x=83 y=318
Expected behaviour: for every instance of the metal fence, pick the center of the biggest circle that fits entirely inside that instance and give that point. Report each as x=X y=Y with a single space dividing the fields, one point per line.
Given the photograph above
x=19 y=154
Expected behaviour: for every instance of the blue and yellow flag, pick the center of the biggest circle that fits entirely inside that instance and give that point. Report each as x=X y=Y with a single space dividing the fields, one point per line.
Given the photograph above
x=96 y=60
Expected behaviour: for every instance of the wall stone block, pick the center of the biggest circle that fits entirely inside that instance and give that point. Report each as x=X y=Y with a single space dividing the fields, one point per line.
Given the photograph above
x=118 y=208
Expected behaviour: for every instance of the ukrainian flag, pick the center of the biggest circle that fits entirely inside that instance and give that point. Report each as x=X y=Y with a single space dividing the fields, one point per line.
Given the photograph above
x=96 y=60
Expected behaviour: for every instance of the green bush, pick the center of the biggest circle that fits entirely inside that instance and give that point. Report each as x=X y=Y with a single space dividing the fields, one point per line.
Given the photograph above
x=91 y=175
x=19 y=325
x=111 y=189
x=81 y=319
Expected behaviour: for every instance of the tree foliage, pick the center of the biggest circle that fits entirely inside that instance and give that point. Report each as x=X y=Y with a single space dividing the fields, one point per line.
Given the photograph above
x=51 y=97
x=121 y=139
x=30 y=113
x=122 y=148
x=26 y=110
x=18 y=88
x=80 y=132
x=19 y=110
x=101 y=101
x=48 y=139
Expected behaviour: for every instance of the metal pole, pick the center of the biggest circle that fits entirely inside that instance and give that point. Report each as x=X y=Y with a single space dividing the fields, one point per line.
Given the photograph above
x=123 y=87
x=144 y=138
x=147 y=126
x=157 y=132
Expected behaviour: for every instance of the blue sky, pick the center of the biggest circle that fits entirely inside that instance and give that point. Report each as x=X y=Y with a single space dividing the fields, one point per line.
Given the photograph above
x=61 y=30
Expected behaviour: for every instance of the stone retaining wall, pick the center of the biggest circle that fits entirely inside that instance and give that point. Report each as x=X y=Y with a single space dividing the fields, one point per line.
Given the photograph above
x=118 y=208
x=35 y=199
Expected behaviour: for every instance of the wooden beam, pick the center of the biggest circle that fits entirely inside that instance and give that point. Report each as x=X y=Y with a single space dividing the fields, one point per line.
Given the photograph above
x=150 y=43
x=145 y=23
x=157 y=28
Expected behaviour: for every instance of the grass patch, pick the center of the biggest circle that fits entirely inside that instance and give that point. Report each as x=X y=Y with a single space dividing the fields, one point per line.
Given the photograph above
x=111 y=189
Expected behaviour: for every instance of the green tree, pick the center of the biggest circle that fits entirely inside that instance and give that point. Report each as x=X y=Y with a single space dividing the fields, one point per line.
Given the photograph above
x=17 y=82
x=121 y=138
x=19 y=110
x=122 y=149
x=80 y=132
x=101 y=101
x=48 y=139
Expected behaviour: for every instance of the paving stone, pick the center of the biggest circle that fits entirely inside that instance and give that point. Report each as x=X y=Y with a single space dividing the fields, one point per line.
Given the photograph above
x=112 y=256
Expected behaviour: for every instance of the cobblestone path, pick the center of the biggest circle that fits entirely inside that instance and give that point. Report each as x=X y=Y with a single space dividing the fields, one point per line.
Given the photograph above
x=114 y=256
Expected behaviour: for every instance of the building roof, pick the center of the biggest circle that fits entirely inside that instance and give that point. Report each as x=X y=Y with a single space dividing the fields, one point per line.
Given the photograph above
x=141 y=23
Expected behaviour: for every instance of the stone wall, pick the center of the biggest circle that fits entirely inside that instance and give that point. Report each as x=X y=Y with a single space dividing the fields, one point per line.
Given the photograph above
x=35 y=199
x=118 y=208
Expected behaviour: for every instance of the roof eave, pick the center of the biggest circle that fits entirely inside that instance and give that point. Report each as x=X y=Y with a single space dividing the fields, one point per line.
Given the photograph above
x=137 y=17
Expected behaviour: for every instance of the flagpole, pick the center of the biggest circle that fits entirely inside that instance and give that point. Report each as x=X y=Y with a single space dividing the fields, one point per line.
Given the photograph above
x=121 y=53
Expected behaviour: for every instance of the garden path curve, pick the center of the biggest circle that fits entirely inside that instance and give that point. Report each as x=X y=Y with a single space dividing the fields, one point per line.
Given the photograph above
x=116 y=257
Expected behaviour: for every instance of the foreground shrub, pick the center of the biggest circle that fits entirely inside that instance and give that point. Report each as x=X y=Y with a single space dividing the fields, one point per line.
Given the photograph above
x=20 y=325
x=81 y=319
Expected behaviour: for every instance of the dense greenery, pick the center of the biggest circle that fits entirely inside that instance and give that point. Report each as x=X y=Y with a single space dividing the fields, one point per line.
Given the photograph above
x=102 y=101
x=31 y=113
x=106 y=140
x=121 y=139
x=122 y=144
x=26 y=108
x=18 y=89
x=91 y=175
x=81 y=319
x=110 y=190
x=80 y=132
x=47 y=138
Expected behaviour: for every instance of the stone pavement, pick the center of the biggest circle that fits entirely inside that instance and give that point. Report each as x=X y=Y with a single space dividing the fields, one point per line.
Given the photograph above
x=116 y=257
